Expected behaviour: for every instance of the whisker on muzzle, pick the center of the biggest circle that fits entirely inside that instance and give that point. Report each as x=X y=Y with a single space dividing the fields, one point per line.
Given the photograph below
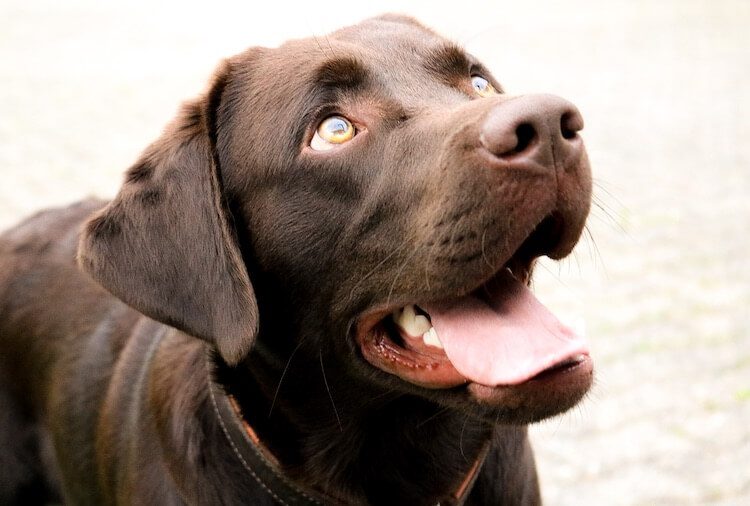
x=283 y=374
x=375 y=269
x=328 y=389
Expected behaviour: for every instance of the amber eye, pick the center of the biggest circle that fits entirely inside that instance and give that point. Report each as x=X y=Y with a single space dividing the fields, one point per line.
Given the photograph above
x=483 y=86
x=332 y=131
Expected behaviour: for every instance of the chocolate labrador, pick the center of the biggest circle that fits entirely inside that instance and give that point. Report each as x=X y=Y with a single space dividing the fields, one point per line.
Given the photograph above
x=312 y=289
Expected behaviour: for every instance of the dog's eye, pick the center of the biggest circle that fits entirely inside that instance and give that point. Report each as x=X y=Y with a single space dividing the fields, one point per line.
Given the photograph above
x=483 y=86
x=332 y=131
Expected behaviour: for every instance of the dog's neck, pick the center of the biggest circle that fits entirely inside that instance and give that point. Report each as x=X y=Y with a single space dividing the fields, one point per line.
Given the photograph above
x=393 y=447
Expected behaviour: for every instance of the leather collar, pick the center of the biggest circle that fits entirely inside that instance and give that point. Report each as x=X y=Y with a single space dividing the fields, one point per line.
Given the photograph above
x=266 y=470
x=255 y=458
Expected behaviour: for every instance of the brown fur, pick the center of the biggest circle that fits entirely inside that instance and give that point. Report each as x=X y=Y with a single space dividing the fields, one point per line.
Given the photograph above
x=227 y=230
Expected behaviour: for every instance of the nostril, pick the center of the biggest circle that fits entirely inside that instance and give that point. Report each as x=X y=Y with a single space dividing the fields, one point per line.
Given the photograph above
x=567 y=132
x=532 y=127
x=570 y=124
x=525 y=133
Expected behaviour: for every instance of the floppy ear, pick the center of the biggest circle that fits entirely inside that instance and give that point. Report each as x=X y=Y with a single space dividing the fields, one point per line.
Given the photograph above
x=165 y=246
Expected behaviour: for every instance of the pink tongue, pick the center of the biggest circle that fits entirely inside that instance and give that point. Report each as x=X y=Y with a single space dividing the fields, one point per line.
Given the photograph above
x=505 y=341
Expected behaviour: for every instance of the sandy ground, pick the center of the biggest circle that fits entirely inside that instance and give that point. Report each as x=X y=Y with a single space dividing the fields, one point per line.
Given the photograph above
x=662 y=282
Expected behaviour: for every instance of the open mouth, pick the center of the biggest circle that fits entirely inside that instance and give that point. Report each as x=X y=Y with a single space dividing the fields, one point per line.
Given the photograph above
x=497 y=335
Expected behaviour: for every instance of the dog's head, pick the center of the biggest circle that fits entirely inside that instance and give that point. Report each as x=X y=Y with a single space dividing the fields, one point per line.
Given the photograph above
x=372 y=195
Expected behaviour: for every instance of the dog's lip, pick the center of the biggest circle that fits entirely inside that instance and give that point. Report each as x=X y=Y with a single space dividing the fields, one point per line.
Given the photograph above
x=431 y=368
x=435 y=371
x=566 y=383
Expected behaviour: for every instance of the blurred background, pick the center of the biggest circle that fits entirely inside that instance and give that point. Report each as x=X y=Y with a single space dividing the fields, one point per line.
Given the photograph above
x=661 y=281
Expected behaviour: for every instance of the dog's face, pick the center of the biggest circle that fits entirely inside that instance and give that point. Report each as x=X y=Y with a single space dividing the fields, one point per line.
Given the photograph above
x=388 y=201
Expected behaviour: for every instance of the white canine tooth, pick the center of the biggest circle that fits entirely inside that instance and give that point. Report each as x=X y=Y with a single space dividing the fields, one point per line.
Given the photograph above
x=430 y=338
x=410 y=322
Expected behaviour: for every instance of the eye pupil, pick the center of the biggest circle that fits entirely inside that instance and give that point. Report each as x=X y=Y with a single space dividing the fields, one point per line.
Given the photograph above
x=336 y=129
x=482 y=86
x=332 y=131
x=336 y=126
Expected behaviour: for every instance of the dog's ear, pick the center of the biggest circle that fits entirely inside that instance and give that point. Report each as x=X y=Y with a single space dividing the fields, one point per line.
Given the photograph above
x=165 y=245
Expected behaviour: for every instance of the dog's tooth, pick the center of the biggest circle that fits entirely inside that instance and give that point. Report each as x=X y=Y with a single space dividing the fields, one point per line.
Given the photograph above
x=409 y=312
x=404 y=315
x=420 y=326
x=410 y=322
x=430 y=338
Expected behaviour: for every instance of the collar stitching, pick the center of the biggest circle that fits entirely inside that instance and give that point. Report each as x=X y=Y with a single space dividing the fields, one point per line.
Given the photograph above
x=231 y=442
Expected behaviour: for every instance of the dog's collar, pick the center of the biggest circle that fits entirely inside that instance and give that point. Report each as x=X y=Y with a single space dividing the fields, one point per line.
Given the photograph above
x=266 y=470
x=255 y=458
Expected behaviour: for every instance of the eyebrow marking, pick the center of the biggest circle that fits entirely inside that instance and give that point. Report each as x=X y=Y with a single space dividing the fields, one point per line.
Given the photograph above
x=324 y=88
x=341 y=73
x=448 y=60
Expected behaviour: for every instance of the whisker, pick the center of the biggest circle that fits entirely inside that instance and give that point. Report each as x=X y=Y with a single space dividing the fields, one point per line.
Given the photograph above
x=577 y=260
x=286 y=367
x=398 y=274
x=330 y=46
x=384 y=394
x=432 y=417
x=461 y=439
x=315 y=37
x=611 y=212
x=599 y=258
x=374 y=269
x=610 y=217
x=330 y=395
x=601 y=185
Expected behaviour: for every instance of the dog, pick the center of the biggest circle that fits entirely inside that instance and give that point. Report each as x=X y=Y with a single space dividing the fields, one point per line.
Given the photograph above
x=311 y=289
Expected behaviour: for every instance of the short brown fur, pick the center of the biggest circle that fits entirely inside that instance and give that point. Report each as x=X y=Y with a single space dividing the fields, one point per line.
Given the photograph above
x=261 y=256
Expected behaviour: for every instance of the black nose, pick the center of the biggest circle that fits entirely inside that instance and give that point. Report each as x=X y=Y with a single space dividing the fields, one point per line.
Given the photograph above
x=535 y=128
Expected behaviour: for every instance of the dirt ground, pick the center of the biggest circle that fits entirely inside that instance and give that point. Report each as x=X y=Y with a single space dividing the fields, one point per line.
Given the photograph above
x=662 y=283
